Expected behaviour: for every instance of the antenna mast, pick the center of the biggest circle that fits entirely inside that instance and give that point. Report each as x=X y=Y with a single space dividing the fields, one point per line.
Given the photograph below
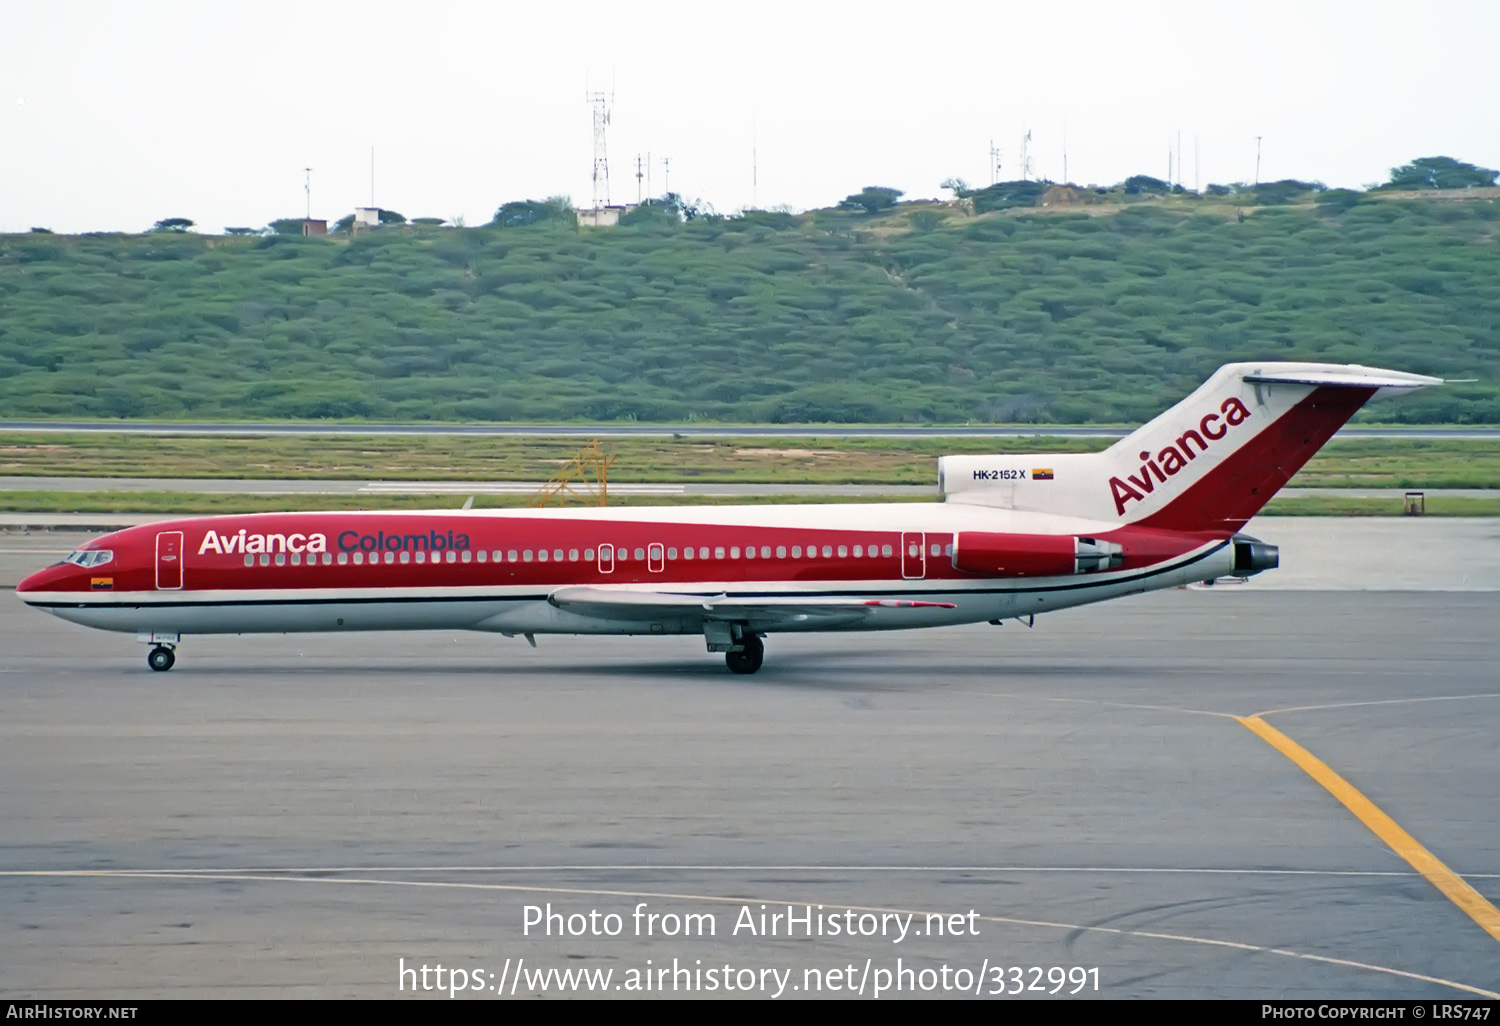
x=600 y=102
x=307 y=188
x=994 y=163
x=666 y=163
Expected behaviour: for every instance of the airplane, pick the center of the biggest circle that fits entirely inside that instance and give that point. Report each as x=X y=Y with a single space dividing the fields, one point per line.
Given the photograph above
x=1014 y=536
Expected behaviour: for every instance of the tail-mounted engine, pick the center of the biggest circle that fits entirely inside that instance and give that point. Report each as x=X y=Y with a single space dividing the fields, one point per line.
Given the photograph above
x=1032 y=555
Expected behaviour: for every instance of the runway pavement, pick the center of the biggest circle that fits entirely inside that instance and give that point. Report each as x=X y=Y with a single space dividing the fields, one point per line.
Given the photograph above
x=294 y=816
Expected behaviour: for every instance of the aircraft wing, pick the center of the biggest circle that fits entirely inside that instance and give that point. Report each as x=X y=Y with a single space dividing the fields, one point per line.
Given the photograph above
x=621 y=604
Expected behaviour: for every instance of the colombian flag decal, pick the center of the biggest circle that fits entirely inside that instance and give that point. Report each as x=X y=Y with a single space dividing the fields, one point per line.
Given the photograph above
x=1041 y=474
x=101 y=583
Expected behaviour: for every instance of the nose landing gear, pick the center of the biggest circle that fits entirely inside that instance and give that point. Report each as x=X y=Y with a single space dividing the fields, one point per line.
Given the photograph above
x=163 y=649
x=161 y=658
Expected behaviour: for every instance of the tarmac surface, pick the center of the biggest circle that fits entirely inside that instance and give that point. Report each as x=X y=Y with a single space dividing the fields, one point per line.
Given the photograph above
x=294 y=816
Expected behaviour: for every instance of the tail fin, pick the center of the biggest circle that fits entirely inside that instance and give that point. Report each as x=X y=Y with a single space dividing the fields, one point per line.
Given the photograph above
x=1210 y=463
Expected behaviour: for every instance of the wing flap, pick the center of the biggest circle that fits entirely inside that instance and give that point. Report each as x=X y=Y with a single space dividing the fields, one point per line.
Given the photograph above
x=622 y=604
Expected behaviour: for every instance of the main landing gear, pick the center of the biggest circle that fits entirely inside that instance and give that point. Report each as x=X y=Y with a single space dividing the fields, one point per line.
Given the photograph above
x=161 y=658
x=748 y=659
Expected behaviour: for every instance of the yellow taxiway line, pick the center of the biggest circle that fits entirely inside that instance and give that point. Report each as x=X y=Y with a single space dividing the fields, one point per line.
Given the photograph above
x=1453 y=886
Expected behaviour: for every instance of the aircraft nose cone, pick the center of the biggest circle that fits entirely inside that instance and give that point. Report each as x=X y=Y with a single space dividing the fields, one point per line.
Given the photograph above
x=44 y=580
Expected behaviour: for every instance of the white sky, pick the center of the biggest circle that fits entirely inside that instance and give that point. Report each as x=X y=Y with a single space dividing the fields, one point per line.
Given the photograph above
x=114 y=114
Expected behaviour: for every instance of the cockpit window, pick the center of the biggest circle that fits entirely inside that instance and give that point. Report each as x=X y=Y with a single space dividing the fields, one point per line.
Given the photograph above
x=90 y=557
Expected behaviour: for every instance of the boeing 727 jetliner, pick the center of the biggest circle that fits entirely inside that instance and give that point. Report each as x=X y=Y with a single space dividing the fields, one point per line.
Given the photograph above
x=1014 y=536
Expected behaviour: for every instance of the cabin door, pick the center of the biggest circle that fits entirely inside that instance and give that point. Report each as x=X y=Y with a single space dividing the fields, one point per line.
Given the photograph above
x=169 y=560
x=913 y=555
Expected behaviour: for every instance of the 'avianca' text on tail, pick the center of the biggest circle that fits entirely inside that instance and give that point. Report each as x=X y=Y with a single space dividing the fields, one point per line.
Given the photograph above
x=1014 y=536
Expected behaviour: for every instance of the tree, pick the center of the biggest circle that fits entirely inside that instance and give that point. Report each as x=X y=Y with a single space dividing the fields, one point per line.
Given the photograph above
x=1440 y=173
x=520 y=213
x=428 y=221
x=172 y=224
x=41 y=231
x=1339 y=200
x=1003 y=195
x=871 y=199
x=958 y=187
x=1284 y=191
x=1137 y=184
x=241 y=231
x=390 y=217
x=286 y=226
x=344 y=224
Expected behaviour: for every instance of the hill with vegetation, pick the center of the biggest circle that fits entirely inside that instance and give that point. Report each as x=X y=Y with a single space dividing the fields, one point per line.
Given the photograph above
x=1078 y=308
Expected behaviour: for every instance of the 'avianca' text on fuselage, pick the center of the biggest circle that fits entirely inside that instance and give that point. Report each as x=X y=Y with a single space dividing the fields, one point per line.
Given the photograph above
x=348 y=541
x=1173 y=458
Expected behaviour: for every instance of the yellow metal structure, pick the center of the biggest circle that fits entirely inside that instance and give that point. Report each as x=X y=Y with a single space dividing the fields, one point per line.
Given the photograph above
x=573 y=480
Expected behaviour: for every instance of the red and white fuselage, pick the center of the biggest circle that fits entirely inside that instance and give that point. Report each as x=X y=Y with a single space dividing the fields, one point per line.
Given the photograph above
x=1016 y=536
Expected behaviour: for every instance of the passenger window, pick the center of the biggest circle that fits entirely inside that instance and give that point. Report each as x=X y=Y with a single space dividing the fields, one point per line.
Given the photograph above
x=588 y=555
x=359 y=559
x=640 y=553
x=452 y=556
x=703 y=552
x=466 y=556
x=281 y=559
x=765 y=552
x=687 y=553
x=481 y=555
x=405 y=556
x=265 y=560
x=827 y=551
x=948 y=549
x=422 y=556
x=296 y=559
x=672 y=553
x=249 y=560
x=859 y=550
x=526 y=555
x=718 y=552
x=557 y=555
x=343 y=559
x=781 y=552
x=734 y=552
x=512 y=555
x=885 y=550
x=937 y=548
x=328 y=559
x=843 y=551
x=572 y=555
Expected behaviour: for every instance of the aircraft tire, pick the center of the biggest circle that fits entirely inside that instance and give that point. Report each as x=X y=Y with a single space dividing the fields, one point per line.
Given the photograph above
x=161 y=658
x=747 y=660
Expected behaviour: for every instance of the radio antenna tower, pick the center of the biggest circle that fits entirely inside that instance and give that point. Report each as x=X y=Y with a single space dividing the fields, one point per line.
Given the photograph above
x=994 y=163
x=307 y=188
x=600 y=102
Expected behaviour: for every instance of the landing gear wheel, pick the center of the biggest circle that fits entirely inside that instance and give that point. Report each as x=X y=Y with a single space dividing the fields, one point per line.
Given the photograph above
x=161 y=658
x=748 y=659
